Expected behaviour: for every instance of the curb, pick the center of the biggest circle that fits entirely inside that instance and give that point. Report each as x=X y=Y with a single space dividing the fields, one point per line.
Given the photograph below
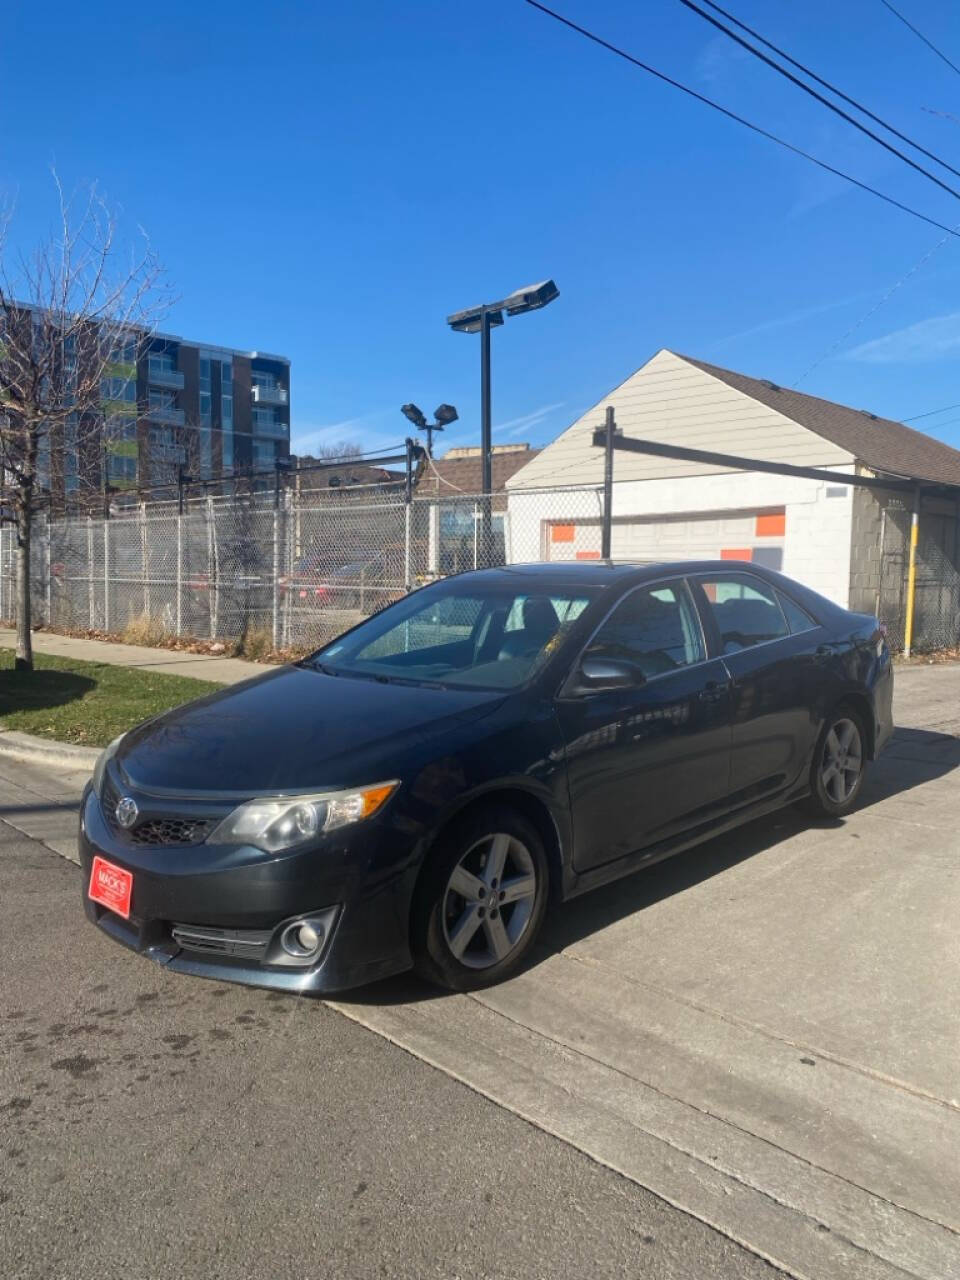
x=58 y=755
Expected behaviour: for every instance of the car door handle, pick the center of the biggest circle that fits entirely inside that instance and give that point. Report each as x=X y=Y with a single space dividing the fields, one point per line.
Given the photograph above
x=714 y=690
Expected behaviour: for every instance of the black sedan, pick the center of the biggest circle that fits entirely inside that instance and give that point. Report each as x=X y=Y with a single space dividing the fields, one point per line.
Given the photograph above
x=417 y=793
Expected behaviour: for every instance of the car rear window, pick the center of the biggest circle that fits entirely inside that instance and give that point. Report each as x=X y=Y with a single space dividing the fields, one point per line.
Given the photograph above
x=746 y=612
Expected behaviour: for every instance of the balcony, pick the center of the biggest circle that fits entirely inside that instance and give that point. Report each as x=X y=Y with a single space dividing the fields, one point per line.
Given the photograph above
x=164 y=378
x=270 y=395
x=271 y=430
x=167 y=416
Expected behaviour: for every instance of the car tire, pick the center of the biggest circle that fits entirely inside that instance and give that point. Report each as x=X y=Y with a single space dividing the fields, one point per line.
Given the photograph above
x=839 y=764
x=459 y=940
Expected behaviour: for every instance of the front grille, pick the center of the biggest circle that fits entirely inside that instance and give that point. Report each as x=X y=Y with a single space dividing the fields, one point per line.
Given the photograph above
x=154 y=831
x=170 y=831
x=251 y=944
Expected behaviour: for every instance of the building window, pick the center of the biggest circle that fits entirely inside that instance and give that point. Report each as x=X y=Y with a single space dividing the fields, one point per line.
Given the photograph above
x=161 y=399
x=226 y=424
x=206 y=401
x=266 y=380
x=118 y=389
x=160 y=362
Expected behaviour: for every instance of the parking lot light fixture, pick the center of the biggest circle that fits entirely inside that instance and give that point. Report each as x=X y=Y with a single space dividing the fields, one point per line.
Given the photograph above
x=443 y=415
x=482 y=319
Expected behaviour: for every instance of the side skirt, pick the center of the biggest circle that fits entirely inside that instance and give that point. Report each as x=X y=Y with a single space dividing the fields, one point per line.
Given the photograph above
x=597 y=876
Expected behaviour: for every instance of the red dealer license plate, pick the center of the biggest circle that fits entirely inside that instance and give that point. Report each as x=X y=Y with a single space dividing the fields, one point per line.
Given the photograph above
x=111 y=886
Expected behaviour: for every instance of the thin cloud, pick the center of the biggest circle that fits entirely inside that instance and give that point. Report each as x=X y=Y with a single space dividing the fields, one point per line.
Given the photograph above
x=517 y=426
x=362 y=430
x=793 y=317
x=719 y=61
x=935 y=338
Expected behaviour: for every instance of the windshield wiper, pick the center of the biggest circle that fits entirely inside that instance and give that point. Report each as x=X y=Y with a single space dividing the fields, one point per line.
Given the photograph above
x=409 y=680
x=318 y=666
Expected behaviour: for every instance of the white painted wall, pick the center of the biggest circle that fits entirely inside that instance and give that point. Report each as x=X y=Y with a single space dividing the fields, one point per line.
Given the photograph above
x=818 y=528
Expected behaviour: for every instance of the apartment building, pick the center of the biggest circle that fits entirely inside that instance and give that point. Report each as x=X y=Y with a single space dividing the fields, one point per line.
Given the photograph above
x=169 y=407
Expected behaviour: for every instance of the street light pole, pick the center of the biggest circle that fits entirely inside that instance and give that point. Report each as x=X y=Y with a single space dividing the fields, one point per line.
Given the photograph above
x=481 y=320
x=486 y=440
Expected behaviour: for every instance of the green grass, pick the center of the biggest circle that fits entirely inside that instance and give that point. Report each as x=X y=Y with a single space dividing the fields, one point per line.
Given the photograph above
x=86 y=702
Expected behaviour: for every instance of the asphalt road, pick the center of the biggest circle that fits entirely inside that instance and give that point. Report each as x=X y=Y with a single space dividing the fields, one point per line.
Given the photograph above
x=154 y=1125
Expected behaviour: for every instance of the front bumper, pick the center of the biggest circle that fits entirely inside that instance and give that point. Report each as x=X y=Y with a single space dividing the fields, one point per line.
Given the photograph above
x=367 y=872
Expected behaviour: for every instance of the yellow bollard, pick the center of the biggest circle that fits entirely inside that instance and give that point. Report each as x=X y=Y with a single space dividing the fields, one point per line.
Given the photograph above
x=911 y=578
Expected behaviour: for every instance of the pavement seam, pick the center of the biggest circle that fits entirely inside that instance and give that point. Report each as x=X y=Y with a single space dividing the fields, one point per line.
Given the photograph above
x=5 y=821
x=555 y=1132
x=774 y=1146
x=869 y=1073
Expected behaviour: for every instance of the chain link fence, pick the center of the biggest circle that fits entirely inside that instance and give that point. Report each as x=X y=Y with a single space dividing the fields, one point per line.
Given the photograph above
x=291 y=570
x=936 y=612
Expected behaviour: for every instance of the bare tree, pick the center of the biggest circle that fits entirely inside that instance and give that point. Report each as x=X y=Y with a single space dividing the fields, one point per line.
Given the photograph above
x=339 y=450
x=74 y=314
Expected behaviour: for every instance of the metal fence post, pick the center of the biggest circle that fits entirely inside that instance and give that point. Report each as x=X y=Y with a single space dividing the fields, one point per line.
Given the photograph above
x=144 y=557
x=106 y=575
x=179 y=572
x=407 y=518
x=213 y=575
x=276 y=578
x=91 y=595
x=48 y=558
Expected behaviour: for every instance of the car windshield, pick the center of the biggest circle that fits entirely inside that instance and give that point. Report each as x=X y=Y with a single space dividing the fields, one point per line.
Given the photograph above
x=459 y=635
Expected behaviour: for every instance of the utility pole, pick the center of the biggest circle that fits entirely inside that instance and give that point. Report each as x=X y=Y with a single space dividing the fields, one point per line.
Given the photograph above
x=610 y=429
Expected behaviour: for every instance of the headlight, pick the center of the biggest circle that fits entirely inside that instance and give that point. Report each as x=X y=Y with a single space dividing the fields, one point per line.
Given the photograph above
x=100 y=767
x=282 y=823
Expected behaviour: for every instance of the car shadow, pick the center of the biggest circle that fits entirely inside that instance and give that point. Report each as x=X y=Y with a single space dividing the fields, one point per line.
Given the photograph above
x=914 y=756
x=39 y=690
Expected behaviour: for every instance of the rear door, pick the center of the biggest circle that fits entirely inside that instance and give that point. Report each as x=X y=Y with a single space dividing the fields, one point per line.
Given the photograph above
x=647 y=762
x=773 y=650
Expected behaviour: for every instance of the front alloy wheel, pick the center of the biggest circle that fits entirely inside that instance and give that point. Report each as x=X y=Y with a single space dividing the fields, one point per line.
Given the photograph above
x=481 y=901
x=489 y=901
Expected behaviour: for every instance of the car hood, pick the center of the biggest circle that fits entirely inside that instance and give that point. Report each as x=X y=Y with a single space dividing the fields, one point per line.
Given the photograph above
x=292 y=730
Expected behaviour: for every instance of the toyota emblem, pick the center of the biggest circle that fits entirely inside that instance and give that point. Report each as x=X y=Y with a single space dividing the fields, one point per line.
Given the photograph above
x=126 y=812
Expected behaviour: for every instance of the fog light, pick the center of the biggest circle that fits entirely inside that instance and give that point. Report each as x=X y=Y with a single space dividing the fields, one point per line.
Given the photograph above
x=308 y=937
x=301 y=943
x=301 y=939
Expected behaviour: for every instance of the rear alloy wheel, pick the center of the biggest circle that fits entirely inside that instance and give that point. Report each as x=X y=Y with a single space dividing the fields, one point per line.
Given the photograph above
x=838 y=765
x=481 y=903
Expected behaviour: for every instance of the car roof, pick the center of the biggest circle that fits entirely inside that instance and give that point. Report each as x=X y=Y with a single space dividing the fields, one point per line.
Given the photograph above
x=620 y=574
x=604 y=572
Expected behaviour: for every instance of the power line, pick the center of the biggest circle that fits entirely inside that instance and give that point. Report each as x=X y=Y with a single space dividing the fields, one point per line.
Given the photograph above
x=833 y=88
x=872 y=311
x=831 y=106
x=921 y=36
x=731 y=115
x=931 y=413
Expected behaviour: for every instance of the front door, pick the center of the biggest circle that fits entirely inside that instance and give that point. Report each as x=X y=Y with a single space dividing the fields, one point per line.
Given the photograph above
x=647 y=762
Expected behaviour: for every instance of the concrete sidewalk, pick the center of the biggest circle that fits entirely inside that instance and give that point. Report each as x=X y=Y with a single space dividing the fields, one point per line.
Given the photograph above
x=169 y=661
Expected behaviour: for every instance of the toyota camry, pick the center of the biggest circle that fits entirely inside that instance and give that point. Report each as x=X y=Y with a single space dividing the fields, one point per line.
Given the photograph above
x=421 y=791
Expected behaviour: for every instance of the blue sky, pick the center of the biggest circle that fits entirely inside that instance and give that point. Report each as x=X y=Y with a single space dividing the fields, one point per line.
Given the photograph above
x=329 y=180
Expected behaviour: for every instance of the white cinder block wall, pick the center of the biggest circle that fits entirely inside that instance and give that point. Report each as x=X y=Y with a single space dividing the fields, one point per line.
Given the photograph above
x=818 y=526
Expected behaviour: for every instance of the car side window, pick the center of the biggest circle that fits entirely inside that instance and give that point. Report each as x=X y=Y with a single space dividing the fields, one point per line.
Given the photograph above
x=797 y=619
x=654 y=628
x=745 y=610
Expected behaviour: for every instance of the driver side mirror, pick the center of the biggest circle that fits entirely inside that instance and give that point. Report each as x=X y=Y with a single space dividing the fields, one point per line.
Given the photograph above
x=607 y=673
